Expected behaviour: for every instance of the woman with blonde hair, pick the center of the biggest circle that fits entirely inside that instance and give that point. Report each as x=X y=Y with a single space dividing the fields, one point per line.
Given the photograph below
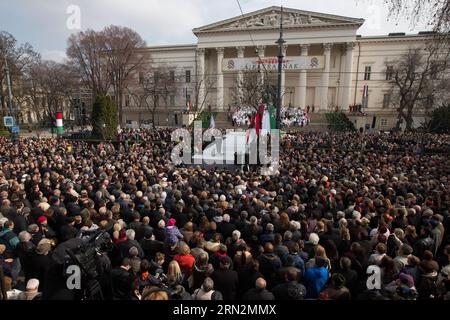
x=174 y=274
x=320 y=252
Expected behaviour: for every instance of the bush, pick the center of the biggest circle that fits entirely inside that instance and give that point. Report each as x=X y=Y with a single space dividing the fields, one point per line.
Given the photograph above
x=104 y=118
x=440 y=120
x=339 y=122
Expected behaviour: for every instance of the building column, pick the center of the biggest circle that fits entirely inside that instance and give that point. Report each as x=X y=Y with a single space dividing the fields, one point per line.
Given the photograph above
x=240 y=75
x=261 y=51
x=347 y=86
x=201 y=79
x=301 y=95
x=220 y=83
x=283 y=78
x=325 y=77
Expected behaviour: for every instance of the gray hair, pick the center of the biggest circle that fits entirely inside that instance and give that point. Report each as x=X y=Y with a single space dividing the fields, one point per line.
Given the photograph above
x=24 y=236
x=130 y=233
x=208 y=284
x=33 y=284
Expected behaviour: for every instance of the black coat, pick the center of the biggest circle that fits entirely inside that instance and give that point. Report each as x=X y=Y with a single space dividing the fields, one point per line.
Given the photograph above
x=226 y=229
x=289 y=291
x=269 y=263
x=122 y=284
x=226 y=281
x=125 y=247
x=151 y=247
x=258 y=294
x=40 y=268
x=25 y=251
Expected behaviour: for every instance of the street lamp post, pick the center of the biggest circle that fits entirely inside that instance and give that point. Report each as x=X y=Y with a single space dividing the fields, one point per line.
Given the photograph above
x=280 y=43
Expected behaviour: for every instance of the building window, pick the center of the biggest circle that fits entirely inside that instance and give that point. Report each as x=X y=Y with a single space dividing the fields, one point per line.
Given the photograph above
x=386 y=100
x=383 y=122
x=172 y=76
x=141 y=77
x=188 y=76
x=367 y=73
x=172 y=100
x=156 y=76
x=389 y=73
x=127 y=100
x=188 y=99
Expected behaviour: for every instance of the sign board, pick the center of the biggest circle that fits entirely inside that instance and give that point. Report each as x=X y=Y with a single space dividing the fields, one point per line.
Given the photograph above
x=8 y=121
x=15 y=129
x=271 y=63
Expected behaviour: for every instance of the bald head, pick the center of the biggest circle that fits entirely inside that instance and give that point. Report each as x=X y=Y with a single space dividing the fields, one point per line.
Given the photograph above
x=260 y=283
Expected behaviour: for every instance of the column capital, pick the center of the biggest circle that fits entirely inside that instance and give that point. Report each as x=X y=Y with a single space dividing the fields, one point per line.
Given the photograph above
x=327 y=46
x=304 y=48
x=349 y=46
x=220 y=50
x=240 y=50
x=201 y=51
x=260 y=49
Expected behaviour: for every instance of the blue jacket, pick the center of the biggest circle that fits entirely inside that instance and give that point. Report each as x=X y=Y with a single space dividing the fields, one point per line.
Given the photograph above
x=315 y=281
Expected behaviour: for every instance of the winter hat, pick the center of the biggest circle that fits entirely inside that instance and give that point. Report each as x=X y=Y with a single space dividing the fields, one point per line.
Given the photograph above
x=226 y=217
x=42 y=219
x=406 y=279
x=172 y=222
x=222 y=198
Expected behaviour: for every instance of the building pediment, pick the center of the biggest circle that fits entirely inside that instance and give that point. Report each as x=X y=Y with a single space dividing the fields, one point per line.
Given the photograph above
x=269 y=18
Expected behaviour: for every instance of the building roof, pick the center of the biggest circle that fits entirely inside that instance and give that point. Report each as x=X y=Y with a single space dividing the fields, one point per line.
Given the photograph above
x=268 y=18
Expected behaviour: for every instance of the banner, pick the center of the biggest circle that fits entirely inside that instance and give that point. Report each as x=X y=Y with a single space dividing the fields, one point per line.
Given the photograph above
x=271 y=63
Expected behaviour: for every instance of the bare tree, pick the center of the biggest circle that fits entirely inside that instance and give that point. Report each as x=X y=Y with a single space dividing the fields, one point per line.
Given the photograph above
x=50 y=86
x=419 y=77
x=436 y=13
x=19 y=57
x=252 y=88
x=202 y=90
x=120 y=46
x=86 y=52
x=156 y=85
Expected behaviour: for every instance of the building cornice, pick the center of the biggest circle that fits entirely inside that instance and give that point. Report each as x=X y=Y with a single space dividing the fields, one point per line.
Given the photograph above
x=343 y=21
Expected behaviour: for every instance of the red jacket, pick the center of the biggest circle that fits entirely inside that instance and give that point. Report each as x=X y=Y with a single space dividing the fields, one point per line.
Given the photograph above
x=186 y=262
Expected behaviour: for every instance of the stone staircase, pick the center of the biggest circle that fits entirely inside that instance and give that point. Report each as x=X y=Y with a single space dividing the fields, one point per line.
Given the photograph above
x=222 y=121
x=318 y=123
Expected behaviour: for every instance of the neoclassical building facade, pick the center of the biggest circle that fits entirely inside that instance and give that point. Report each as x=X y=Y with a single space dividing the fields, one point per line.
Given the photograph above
x=327 y=65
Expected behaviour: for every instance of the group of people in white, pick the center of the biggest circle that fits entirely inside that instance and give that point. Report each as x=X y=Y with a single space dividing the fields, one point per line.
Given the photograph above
x=289 y=116
x=292 y=117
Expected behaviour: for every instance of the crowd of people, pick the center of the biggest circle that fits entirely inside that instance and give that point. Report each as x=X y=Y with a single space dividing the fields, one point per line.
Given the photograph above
x=241 y=116
x=294 y=117
x=339 y=204
x=290 y=116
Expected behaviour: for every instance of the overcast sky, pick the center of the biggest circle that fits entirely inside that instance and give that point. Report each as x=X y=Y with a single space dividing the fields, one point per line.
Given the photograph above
x=44 y=23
